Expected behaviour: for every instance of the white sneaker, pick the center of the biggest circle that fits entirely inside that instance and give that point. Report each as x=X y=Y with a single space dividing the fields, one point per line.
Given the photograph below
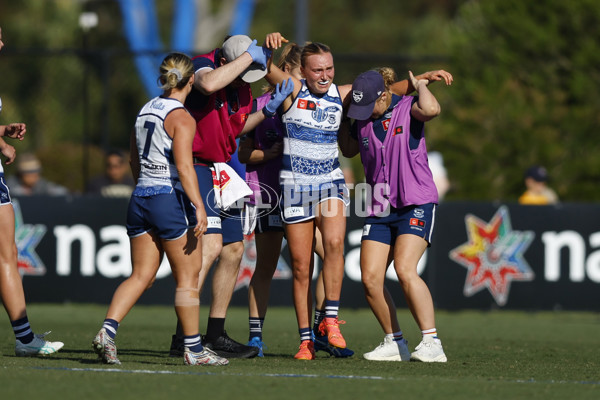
x=429 y=350
x=105 y=347
x=389 y=350
x=205 y=357
x=37 y=347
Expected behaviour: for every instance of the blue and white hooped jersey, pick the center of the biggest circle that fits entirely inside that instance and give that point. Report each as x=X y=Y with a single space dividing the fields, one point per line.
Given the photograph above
x=310 y=149
x=158 y=173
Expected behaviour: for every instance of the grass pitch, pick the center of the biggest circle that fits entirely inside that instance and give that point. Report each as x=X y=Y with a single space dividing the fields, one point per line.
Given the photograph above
x=491 y=355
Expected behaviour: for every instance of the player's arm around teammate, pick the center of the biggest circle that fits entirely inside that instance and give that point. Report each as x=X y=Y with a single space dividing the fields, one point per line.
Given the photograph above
x=405 y=233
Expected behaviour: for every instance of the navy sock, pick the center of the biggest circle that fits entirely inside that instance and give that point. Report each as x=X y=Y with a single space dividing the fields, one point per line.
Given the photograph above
x=331 y=308
x=111 y=326
x=305 y=334
x=319 y=315
x=256 y=325
x=22 y=330
x=193 y=343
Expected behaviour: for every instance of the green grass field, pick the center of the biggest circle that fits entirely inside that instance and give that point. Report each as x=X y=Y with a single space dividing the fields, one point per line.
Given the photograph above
x=491 y=355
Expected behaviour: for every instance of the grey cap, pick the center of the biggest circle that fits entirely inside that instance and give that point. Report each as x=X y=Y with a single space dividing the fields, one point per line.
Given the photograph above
x=234 y=47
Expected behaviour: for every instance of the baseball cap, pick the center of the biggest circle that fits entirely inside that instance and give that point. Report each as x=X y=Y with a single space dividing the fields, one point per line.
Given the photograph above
x=537 y=173
x=366 y=89
x=234 y=47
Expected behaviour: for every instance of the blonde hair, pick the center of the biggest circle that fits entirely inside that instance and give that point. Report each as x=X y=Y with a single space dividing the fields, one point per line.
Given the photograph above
x=312 y=48
x=389 y=76
x=175 y=71
x=290 y=56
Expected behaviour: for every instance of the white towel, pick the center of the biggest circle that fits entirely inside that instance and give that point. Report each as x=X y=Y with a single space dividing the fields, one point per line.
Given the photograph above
x=228 y=186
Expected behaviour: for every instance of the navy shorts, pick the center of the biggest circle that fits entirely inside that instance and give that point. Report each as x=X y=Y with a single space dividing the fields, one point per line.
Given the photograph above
x=411 y=220
x=168 y=215
x=4 y=192
x=300 y=206
x=227 y=223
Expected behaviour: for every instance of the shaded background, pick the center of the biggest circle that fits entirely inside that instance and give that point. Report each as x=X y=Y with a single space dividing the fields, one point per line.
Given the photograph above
x=526 y=91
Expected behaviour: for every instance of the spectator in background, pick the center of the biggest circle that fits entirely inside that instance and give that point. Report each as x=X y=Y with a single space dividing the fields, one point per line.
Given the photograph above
x=538 y=193
x=29 y=180
x=116 y=180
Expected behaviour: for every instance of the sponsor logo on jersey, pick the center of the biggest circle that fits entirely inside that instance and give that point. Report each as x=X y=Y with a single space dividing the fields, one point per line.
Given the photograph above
x=417 y=222
x=307 y=105
x=292 y=212
x=385 y=124
x=398 y=130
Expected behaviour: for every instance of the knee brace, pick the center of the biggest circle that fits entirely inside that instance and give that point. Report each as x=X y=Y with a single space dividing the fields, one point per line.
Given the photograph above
x=187 y=297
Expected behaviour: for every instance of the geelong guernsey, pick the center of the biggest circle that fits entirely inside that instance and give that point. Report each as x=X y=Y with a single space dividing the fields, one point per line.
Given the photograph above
x=310 y=149
x=158 y=173
x=397 y=167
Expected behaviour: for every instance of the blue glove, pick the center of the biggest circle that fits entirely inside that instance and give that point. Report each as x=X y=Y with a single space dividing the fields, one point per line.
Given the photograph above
x=260 y=55
x=279 y=95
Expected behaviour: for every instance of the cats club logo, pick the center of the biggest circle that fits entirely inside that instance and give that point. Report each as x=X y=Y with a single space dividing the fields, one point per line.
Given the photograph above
x=493 y=255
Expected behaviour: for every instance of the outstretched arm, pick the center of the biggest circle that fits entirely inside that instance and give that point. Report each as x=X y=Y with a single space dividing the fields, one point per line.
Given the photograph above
x=405 y=86
x=279 y=95
x=208 y=80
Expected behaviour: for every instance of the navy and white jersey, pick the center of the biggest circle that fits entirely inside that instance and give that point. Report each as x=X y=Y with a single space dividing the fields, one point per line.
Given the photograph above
x=310 y=149
x=155 y=148
x=1 y=167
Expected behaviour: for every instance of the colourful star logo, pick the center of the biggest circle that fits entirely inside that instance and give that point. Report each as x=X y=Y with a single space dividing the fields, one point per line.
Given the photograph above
x=248 y=265
x=493 y=255
x=27 y=237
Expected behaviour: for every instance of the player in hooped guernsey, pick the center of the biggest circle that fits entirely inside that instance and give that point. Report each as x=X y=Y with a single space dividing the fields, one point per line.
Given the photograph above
x=310 y=150
x=314 y=196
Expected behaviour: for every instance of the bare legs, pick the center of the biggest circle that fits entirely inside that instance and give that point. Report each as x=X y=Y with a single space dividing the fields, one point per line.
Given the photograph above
x=407 y=251
x=11 y=286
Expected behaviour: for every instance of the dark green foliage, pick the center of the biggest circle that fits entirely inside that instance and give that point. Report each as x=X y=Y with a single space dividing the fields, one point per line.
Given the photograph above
x=526 y=91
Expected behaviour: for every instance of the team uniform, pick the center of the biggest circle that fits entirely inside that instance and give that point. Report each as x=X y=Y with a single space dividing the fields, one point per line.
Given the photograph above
x=310 y=170
x=220 y=117
x=394 y=156
x=262 y=212
x=158 y=202
x=4 y=191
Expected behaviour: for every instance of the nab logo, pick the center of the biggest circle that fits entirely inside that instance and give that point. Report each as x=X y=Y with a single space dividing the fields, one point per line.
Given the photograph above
x=307 y=105
x=417 y=222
